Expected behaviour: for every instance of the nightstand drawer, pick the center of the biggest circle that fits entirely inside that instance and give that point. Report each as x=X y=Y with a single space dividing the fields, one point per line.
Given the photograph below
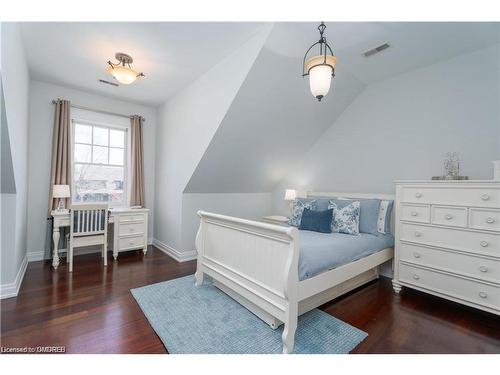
x=415 y=212
x=451 y=216
x=479 y=268
x=473 y=242
x=131 y=228
x=485 y=219
x=468 y=290
x=131 y=217
x=131 y=242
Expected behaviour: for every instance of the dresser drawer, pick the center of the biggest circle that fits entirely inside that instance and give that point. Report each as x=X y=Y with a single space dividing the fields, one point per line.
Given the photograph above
x=131 y=217
x=451 y=216
x=459 y=239
x=131 y=228
x=484 y=219
x=479 y=197
x=480 y=268
x=415 y=212
x=468 y=290
x=131 y=242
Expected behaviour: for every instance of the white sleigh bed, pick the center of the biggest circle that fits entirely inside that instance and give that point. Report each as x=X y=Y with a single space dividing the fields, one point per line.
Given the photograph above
x=257 y=264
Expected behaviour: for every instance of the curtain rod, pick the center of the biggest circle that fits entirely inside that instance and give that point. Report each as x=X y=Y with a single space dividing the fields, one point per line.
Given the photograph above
x=100 y=111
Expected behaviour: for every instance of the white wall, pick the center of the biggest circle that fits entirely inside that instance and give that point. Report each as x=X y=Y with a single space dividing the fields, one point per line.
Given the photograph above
x=402 y=127
x=15 y=82
x=40 y=143
x=187 y=123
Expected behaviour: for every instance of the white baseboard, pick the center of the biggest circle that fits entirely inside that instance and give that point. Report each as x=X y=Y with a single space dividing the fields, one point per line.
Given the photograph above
x=173 y=253
x=36 y=256
x=12 y=289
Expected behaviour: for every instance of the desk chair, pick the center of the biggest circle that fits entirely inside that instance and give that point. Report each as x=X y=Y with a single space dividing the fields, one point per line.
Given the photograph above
x=89 y=226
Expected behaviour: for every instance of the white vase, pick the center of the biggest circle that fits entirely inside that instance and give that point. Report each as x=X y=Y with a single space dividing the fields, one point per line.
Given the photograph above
x=496 y=170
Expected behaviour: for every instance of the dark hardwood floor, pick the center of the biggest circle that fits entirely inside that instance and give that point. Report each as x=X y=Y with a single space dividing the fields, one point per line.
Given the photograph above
x=93 y=311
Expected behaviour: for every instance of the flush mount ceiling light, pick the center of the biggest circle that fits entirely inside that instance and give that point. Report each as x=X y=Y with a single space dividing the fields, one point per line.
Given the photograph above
x=122 y=71
x=320 y=68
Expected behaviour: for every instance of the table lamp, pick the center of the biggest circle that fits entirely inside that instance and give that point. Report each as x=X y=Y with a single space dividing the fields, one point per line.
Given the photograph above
x=290 y=196
x=60 y=192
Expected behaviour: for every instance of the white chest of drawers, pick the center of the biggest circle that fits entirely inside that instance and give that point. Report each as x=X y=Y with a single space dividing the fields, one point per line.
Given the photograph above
x=448 y=240
x=131 y=230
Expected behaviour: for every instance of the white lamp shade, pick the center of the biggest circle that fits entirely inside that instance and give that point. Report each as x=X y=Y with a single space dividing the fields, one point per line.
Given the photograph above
x=60 y=191
x=290 y=194
x=123 y=74
x=320 y=69
x=320 y=78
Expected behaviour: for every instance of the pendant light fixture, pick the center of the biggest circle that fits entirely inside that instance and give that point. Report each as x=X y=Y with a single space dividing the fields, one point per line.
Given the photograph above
x=122 y=71
x=320 y=68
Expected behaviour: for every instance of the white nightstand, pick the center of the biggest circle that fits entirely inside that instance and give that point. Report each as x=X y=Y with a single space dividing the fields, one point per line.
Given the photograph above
x=276 y=219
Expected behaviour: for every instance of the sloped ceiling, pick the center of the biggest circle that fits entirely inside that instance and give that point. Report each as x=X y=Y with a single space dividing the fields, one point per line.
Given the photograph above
x=271 y=122
x=274 y=119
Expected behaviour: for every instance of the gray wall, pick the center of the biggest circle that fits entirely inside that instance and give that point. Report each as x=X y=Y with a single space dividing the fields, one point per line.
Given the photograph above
x=401 y=128
x=250 y=206
x=40 y=143
x=15 y=82
x=187 y=123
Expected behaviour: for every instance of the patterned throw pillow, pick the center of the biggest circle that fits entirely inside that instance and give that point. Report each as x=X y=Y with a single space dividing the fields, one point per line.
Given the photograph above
x=297 y=209
x=345 y=219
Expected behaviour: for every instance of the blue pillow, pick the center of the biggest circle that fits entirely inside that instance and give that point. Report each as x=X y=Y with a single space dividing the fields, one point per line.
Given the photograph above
x=317 y=221
x=368 y=215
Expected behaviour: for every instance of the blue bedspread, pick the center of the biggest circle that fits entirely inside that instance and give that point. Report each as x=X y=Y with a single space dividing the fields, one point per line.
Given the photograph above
x=321 y=252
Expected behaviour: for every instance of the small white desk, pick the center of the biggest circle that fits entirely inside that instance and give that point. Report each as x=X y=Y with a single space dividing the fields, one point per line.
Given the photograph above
x=130 y=230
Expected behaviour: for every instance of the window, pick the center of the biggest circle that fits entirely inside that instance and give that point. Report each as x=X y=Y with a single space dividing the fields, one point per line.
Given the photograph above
x=99 y=163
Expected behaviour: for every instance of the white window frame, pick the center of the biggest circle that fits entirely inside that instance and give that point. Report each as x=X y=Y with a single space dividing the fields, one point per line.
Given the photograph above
x=126 y=157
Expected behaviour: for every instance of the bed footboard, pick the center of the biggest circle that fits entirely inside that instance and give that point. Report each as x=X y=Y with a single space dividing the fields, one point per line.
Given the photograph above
x=257 y=261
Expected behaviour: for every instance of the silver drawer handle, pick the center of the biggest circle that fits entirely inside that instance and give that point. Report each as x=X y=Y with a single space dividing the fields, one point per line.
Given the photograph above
x=418 y=195
x=448 y=217
x=416 y=277
x=418 y=234
x=131 y=229
x=414 y=213
x=483 y=294
x=485 y=197
x=416 y=255
x=490 y=220
x=483 y=269
x=484 y=243
x=131 y=242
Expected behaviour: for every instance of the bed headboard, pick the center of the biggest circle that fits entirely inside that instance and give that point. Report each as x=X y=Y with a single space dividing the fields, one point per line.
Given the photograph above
x=336 y=194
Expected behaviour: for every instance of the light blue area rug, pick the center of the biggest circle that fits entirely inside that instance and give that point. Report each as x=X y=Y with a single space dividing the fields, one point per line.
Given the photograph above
x=190 y=319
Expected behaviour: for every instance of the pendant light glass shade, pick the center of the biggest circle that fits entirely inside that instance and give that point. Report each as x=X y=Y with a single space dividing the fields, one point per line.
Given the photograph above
x=320 y=71
x=123 y=74
x=122 y=70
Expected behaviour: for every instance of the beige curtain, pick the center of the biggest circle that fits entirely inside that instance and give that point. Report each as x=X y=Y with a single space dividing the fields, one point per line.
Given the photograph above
x=60 y=173
x=137 y=154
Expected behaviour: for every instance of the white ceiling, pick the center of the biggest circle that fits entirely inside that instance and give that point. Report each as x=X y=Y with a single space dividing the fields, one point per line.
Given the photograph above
x=170 y=54
x=413 y=44
x=174 y=54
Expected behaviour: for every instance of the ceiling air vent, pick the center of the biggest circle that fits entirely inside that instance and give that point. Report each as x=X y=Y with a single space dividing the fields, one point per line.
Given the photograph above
x=375 y=50
x=109 y=83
